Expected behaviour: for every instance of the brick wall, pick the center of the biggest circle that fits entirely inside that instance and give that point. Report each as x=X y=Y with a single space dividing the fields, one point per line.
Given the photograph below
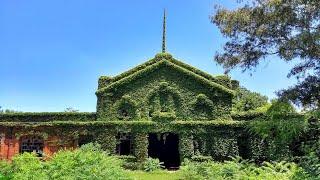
x=10 y=146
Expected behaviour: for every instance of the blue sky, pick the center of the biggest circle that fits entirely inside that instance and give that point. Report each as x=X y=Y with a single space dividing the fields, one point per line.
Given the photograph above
x=53 y=52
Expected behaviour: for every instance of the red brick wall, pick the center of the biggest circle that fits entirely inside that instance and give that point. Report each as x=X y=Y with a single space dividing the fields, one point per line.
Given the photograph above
x=11 y=146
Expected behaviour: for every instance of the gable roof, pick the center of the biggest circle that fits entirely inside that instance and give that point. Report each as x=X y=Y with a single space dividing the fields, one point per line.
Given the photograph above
x=165 y=59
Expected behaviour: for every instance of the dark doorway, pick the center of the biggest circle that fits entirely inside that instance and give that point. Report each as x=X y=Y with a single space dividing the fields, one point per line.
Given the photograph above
x=165 y=147
x=243 y=147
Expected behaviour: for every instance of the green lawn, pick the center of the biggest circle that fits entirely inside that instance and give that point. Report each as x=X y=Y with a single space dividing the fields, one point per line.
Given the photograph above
x=157 y=175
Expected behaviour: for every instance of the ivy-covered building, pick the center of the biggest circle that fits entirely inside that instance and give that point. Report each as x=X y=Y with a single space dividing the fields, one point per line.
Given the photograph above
x=162 y=108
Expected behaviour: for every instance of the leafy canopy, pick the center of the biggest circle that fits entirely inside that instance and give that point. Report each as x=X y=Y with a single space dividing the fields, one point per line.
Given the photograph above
x=246 y=100
x=287 y=28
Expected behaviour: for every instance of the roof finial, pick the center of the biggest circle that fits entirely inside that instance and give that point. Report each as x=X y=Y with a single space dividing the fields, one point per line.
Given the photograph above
x=164 y=32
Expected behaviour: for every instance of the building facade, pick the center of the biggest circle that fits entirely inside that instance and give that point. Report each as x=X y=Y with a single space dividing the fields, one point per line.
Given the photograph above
x=162 y=109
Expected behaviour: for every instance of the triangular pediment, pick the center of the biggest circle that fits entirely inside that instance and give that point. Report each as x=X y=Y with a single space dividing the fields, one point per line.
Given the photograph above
x=166 y=60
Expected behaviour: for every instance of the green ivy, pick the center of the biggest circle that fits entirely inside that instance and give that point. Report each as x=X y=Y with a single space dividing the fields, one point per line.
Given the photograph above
x=47 y=116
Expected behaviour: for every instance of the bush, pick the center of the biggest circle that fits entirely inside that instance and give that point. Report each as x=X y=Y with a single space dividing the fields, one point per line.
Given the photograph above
x=240 y=169
x=311 y=164
x=27 y=167
x=152 y=165
x=311 y=161
x=87 y=162
x=129 y=162
x=5 y=169
x=2 y=177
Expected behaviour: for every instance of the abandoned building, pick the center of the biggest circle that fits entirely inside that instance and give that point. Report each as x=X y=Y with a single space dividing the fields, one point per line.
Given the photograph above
x=162 y=108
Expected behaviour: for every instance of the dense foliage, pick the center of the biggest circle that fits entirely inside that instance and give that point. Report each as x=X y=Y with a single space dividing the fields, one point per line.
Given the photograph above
x=88 y=162
x=278 y=129
x=305 y=93
x=246 y=100
x=287 y=28
x=47 y=116
x=164 y=89
x=238 y=169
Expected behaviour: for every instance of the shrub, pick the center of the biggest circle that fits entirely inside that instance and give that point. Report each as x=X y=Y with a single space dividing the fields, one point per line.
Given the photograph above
x=201 y=158
x=2 y=177
x=129 y=162
x=240 y=169
x=5 y=169
x=311 y=161
x=152 y=165
x=27 y=167
x=87 y=162
x=311 y=164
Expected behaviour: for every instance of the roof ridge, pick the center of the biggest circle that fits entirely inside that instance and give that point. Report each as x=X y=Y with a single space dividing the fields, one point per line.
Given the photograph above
x=166 y=56
x=169 y=63
x=133 y=70
x=199 y=72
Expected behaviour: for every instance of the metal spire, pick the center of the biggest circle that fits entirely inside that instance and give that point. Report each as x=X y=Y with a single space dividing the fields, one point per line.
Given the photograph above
x=164 y=32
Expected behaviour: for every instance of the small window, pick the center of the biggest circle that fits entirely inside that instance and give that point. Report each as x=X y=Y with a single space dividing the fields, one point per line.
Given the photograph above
x=32 y=144
x=124 y=145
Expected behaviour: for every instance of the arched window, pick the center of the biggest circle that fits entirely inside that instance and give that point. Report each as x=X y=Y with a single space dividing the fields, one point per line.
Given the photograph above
x=32 y=144
x=126 y=108
x=203 y=106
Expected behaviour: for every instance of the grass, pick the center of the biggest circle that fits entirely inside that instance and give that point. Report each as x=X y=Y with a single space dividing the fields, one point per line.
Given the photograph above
x=156 y=175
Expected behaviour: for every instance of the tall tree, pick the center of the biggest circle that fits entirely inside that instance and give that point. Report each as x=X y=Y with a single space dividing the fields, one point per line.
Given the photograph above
x=287 y=28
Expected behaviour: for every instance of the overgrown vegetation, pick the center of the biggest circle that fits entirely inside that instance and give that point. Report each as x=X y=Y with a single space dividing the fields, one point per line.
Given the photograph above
x=87 y=162
x=239 y=169
x=152 y=165
x=278 y=128
x=246 y=100
x=164 y=89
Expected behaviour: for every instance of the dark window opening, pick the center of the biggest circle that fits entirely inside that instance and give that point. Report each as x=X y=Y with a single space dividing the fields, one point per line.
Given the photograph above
x=85 y=139
x=32 y=144
x=165 y=148
x=124 y=144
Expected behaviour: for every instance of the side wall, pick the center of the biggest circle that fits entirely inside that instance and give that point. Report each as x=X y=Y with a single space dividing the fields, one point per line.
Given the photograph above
x=13 y=126
x=10 y=142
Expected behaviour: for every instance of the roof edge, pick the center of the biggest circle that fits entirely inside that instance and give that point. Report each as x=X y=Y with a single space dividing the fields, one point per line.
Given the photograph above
x=168 y=63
